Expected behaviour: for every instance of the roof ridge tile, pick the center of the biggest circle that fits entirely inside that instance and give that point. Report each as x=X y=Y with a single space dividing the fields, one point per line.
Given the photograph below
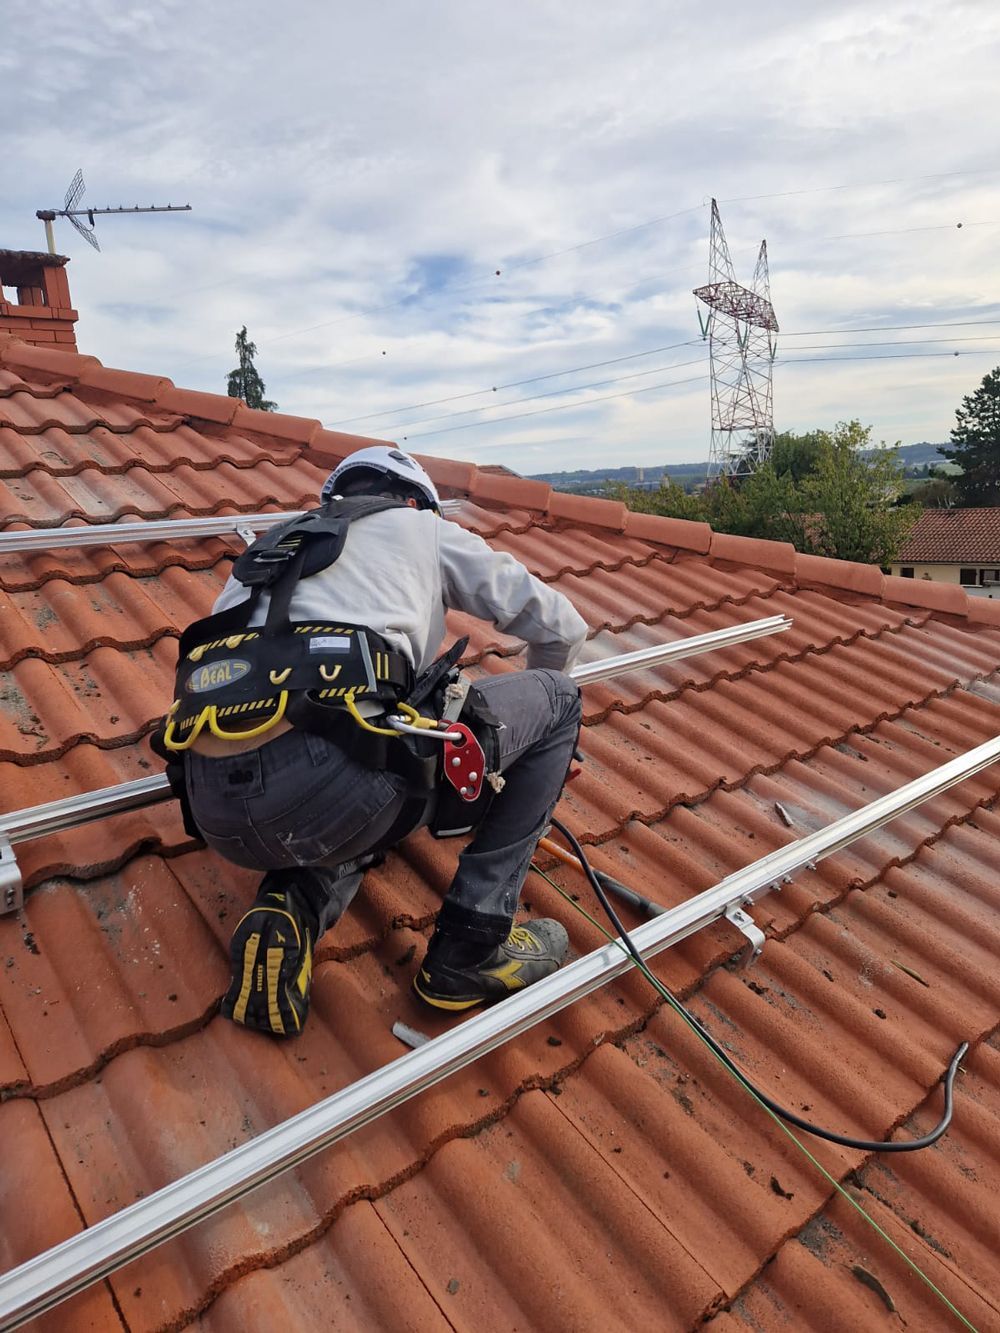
x=983 y=611
x=125 y=383
x=589 y=509
x=851 y=575
x=765 y=554
x=684 y=533
x=450 y=472
x=280 y=425
x=47 y=360
x=519 y=492
x=195 y=403
x=947 y=597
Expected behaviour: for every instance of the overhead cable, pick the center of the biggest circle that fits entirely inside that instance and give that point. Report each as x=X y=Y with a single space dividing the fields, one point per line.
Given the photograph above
x=652 y=351
x=630 y=393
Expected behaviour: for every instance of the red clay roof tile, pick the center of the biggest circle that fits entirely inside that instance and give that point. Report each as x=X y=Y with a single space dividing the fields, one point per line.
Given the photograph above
x=779 y=556
x=680 y=532
x=607 y=1126
x=124 y=383
x=199 y=406
x=588 y=510
x=846 y=574
x=947 y=597
x=297 y=430
x=953 y=536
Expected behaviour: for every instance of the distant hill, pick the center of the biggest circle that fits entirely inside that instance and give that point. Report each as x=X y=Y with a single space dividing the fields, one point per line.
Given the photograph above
x=912 y=456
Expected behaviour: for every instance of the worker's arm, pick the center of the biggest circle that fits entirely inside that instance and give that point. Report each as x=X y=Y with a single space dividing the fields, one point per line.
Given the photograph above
x=492 y=585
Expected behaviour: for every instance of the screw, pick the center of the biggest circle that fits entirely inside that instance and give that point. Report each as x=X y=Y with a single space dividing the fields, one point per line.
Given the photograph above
x=465 y=791
x=473 y=777
x=456 y=762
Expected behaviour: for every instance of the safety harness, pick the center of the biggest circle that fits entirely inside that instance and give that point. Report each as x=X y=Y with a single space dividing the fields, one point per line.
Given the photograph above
x=239 y=682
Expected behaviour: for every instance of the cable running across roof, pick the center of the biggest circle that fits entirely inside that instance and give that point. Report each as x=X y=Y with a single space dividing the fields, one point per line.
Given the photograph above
x=43 y=1282
x=700 y=1032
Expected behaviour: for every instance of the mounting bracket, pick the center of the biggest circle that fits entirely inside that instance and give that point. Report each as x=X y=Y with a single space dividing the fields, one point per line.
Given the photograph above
x=11 y=886
x=745 y=923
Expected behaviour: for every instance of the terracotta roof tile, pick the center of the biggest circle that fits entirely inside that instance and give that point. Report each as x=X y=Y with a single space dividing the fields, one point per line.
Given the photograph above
x=954 y=536
x=607 y=1127
x=680 y=532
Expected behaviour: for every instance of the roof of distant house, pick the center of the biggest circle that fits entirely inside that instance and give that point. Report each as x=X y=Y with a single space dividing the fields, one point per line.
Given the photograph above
x=600 y=1169
x=954 y=536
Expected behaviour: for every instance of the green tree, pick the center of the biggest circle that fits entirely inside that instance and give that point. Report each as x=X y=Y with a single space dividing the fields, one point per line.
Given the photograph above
x=245 y=381
x=851 y=498
x=975 y=444
x=842 y=504
x=797 y=454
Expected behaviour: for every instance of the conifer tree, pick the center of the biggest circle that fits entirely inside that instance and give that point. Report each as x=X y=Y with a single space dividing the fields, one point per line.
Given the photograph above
x=975 y=444
x=245 y=381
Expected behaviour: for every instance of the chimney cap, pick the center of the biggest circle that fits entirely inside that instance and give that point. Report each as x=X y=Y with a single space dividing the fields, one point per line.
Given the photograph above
x=17 y=266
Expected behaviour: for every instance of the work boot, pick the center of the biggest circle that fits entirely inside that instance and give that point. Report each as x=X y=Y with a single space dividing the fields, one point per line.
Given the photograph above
x=271 y=954
x=452 y=979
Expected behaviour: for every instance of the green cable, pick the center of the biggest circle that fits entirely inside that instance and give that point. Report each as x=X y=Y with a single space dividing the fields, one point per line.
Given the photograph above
x=679 y=1009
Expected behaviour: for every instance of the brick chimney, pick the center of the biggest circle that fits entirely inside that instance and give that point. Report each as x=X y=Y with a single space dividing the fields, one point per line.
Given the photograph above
x=42 y=312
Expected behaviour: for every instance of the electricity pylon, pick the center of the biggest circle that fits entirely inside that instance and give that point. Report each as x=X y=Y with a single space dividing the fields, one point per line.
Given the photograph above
x=740 y=329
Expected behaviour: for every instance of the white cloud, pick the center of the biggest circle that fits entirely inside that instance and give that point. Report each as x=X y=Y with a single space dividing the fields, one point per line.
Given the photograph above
x=359 y=173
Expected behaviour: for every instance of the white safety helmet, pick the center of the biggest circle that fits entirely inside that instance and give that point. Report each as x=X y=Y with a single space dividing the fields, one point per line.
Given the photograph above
x=393 y=462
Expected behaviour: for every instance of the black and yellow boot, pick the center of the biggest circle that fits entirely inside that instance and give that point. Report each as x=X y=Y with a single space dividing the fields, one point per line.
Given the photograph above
x=272 y=955
x=457 y=974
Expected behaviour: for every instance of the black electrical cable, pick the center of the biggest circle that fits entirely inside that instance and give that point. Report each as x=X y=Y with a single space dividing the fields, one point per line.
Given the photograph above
x=866 y=1145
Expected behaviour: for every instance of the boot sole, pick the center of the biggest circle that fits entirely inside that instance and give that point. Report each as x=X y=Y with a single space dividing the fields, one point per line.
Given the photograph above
x=454 y=1005
x=250 y=1002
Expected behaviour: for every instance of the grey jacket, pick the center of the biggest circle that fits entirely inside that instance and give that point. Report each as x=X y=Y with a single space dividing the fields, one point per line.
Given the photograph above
x=401 y=569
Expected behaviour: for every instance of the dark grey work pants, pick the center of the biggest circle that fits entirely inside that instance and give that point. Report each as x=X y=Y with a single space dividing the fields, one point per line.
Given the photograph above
x=299 y=801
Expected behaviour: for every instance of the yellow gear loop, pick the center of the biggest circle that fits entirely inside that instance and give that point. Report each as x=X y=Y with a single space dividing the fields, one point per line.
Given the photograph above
x=365 y=725
x=330 y=674
x=279 y=677
x=209 y=715
x=259 y=730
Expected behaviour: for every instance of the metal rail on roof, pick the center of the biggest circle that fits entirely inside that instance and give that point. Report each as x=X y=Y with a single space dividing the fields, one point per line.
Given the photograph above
x=41 y=1283
x=55 y=816
x=245 y=526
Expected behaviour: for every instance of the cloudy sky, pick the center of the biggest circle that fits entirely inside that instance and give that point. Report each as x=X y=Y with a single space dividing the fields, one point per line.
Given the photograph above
x=477 y=227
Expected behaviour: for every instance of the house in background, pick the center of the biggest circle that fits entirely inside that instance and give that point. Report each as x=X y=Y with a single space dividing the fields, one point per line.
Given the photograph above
x=954 y=546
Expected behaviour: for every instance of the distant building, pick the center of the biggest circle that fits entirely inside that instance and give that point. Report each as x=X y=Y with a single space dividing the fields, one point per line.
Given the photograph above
x=954 y=546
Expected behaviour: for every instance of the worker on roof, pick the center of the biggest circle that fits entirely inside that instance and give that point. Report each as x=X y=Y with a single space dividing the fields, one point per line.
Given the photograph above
x=312 y=785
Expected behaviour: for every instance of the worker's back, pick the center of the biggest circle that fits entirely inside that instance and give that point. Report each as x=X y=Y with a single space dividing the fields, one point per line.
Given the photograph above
x=387 y=578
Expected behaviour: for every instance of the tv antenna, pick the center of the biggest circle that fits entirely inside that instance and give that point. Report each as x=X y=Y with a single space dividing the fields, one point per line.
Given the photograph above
x=740 y=328
x=69 y=210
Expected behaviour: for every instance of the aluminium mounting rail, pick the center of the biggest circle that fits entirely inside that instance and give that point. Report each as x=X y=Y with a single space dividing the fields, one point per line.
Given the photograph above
x=245 y=526
x=43 y=1282
x=55 y=816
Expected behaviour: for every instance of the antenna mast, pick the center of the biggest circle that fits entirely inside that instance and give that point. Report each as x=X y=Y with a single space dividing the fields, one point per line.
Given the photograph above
x=69 y=210
x=740 y=329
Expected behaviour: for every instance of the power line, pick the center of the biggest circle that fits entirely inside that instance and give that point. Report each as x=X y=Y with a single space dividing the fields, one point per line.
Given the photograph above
x=903 y=342
x=560 y=407
x=861 y=185
x=552 y=393
x=595 y=365
x=669 y=384
x=621 y=379
x=894 y=328
x=888 y=356
x=517 y=384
